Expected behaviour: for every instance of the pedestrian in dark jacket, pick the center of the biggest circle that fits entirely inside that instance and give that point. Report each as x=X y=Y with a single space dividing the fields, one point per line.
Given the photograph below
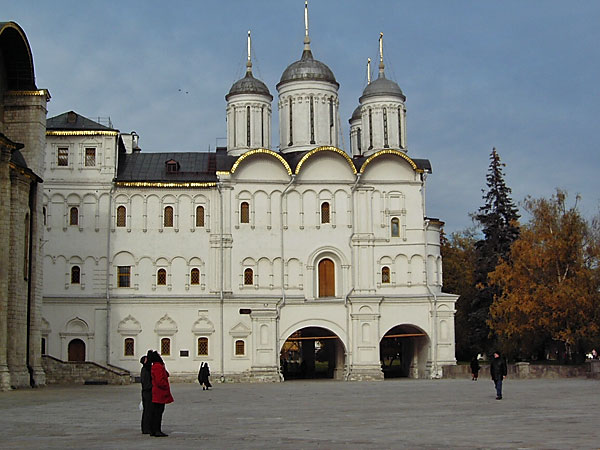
x=203 y=375
x=475 y=368
x=498 y=372
x=146 y=379
x=161 y=393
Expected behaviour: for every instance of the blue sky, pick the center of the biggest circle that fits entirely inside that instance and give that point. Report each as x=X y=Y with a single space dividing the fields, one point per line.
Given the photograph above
x=521 y=76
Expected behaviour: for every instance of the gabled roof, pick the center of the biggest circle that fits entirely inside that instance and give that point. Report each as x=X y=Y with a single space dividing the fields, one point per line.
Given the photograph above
x=73 y=121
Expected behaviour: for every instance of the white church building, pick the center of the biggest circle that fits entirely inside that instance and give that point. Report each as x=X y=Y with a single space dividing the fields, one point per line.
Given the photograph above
x=267 y=262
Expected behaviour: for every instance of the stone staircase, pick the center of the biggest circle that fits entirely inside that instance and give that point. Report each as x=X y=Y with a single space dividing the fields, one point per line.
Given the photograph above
x=85 y=372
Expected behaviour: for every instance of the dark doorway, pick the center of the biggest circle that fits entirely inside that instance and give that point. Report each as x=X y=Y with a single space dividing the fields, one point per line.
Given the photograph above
x=310 y=353
x=76 y=350
x=402 y=352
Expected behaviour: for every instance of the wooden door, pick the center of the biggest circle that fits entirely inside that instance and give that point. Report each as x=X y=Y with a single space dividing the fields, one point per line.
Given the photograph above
x=326 y=278
x=76 y=350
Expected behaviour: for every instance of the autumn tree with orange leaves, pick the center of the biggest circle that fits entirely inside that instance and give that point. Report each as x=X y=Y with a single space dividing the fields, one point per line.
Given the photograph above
x=550 y=284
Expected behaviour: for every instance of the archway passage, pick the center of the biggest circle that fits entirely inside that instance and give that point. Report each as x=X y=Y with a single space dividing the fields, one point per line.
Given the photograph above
x=76 y=350
x=403 y=352
x=311 y=353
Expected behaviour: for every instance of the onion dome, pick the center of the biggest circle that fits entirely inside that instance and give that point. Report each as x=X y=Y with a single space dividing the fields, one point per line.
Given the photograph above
x=249 y=85
x=307 y=68
x=382 y=86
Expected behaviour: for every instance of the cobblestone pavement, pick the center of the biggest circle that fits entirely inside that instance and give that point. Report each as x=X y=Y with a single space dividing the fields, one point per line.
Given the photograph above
x=549 y=413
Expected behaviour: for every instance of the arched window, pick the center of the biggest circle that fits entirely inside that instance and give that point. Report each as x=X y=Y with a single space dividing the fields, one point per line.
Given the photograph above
x=248 y=277
x=370 y=129
x=75 y=275
x=247 y=126
x=161 y=277
x=395 y=223
x=74 y=216
x=128 y=347
x=385 y=274
x=312 y=120
x=325 y=212
x=240 y=348
x=385 y=129
x=168 y=219
x=195 y=276
x=200 y=216
x=244 y=212
x=165 y=347
x=44 y=212
x=326 y=278
x=202 y=346
x=121 y=216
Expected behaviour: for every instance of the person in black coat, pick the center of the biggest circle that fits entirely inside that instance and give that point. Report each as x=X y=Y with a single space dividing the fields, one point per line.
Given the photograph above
x=146 y=380
x=475 y=368
x=498 y=372
x=203 y=375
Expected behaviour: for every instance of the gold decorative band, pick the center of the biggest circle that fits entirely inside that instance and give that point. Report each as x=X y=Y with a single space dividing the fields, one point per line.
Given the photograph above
x=162 y=184
x=82 y=133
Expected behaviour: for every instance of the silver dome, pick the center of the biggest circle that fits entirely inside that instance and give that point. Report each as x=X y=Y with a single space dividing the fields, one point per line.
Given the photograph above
x=307 y=68
x=356 y=114
x=249 y=85
x=382 y=86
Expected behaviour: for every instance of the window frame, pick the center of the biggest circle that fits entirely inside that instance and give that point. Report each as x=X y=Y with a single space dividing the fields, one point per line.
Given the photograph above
x=122 y=276
x=125 y=342
x=395 y=221
x=86 y=156
x=73 y=216
x=250 y=271
x=237 y=345
x=76 y=279
x=325 y=212
x=62 y=157
x=386 y=272
x=200 y=216
x=193 y=271
x=121 y=217
x=164 y=339
x=204 y=340
x=168 y=219
x=245 y=212
x=161 y=277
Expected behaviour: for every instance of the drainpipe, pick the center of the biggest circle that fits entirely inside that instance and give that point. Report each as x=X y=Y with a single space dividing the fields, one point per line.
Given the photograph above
x=431 y=292
x=346 y=298
x=281 y=303
x=222 y=280
x=108 y=235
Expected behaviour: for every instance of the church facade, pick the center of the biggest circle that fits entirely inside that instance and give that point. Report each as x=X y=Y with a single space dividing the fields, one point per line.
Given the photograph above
x=267 y=264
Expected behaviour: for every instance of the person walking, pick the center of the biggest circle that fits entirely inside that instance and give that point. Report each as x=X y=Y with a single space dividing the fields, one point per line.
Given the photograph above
x=498 y=371
x=146 y=380
x=161 y=394
x=203 y=375
x=475 y=368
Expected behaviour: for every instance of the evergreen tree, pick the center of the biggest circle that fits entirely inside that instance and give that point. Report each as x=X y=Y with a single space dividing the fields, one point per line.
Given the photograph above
x=498 y=218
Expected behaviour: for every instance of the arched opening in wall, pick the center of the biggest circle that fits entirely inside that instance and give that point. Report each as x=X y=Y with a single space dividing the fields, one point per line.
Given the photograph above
x=404 y=351
x=76 y=350
x=312 y=353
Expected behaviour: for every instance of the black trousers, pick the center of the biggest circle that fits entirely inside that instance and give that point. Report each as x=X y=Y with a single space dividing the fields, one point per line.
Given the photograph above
x=157 y=413
x=147 y=413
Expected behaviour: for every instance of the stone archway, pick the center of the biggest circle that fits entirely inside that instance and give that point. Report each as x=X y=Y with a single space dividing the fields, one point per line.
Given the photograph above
x=312 y=353
x=76 y=350
x=404 y=352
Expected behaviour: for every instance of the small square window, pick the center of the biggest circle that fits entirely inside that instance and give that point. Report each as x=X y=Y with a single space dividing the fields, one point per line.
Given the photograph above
x=90 y=157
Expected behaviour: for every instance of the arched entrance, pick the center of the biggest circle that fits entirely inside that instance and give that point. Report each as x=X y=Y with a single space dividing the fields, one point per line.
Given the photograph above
x=403 y=351
x=76 y=350
x=312 y=352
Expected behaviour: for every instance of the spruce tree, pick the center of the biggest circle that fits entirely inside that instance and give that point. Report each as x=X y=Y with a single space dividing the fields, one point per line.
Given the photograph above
x=498 y=218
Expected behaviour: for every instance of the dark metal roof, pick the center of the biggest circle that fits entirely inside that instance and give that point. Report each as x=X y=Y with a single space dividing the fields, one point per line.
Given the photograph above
x=17 y=59
x=382 y=86
x=249 y=85
x=73 y=121
x=356 y=114
x=307 y=68
x=193 y=167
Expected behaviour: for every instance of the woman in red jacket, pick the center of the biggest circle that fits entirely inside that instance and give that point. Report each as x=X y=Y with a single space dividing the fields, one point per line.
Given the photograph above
x=161 y=394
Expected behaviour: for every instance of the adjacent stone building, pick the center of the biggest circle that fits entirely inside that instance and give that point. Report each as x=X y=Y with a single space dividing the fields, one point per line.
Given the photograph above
x=22 y=145
x=266 y=263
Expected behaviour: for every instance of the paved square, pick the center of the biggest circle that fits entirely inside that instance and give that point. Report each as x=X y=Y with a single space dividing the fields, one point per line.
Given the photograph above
x=562 y=413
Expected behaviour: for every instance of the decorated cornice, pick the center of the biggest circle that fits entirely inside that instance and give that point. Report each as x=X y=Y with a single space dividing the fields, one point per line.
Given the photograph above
x=81 y=133
x=7 y=143
x=262 y=151
x=326 y=149
x=31 y=93
x=390 y=152
x=163 y=184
